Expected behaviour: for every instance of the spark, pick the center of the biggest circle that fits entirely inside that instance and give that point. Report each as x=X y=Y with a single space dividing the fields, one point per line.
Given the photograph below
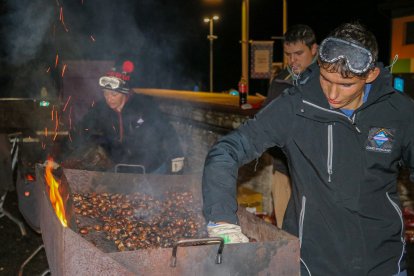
x=48 y=70
x=62 y=19
x=56 y=60
x=70 y=118
x=56 y=122
x=92 y=38
x=56 y=126
x=66 y=104
x=63 y=70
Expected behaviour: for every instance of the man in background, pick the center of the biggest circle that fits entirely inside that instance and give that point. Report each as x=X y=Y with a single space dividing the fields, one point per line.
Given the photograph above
x=300 y=50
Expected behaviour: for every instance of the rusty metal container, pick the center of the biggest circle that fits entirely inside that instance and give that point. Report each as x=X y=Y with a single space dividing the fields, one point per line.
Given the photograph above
x=275 y=252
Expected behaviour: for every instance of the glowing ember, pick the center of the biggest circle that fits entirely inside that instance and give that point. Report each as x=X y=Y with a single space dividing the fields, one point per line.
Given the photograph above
x=62 y=19
x=30 y=177
x=56 y=126
x=54 y=195
x=66 y=104
x=56 y=60
x=63 y=70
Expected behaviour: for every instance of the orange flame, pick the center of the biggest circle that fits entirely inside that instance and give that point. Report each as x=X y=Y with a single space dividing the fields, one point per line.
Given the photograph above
x=54 y=195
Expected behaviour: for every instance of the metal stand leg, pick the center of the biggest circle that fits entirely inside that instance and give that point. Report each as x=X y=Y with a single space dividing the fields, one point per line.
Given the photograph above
x=30 y=258
x=10 y=216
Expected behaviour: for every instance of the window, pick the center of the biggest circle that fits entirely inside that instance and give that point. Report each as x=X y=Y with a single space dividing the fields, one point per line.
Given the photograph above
x=409 y=33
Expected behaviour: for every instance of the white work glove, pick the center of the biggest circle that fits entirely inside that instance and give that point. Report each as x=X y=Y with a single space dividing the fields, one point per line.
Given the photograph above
x=177 y=164
x=231 y=233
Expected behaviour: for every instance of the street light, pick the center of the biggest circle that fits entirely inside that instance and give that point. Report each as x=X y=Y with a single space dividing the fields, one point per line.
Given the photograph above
x=211 y=37
x=245 y=40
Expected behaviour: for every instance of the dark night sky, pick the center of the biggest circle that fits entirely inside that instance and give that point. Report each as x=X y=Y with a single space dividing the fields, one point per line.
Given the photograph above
x=167 y=40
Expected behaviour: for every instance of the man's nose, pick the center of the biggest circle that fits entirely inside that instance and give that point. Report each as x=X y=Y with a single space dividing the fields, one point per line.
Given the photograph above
x=333 y=92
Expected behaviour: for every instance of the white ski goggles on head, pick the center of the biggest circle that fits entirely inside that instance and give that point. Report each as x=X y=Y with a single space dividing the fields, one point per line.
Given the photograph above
x=110 y=82
x=358 y=59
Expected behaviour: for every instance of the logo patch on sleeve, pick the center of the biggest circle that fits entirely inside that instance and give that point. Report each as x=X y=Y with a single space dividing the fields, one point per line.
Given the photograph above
x=380 y=139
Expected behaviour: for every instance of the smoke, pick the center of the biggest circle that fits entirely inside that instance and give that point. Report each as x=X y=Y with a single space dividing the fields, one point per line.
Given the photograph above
x=27 y=24
x=155 y=35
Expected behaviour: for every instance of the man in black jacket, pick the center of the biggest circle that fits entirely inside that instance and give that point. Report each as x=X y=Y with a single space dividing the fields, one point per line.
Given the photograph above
x=131 y=128
x=300 y=49
x=345 y=133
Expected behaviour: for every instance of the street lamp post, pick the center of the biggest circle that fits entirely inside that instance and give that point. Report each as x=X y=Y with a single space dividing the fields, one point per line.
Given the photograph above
x=245 y=41
x=211 y=38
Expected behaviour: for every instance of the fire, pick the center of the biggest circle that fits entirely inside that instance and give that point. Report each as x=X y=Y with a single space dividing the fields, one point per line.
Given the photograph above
x=54 y=195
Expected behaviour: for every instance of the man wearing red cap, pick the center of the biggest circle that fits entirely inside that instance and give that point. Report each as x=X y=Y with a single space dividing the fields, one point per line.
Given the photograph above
x=131 y=128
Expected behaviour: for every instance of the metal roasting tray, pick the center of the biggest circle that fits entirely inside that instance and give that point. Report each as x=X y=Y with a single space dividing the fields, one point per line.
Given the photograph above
x=275 y=252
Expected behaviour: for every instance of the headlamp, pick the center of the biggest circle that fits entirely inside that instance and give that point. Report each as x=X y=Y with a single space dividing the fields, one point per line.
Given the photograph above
x=358 y=59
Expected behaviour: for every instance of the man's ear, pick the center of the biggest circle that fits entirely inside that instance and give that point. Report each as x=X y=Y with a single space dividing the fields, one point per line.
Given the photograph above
x=314 y=49
x=372 y=75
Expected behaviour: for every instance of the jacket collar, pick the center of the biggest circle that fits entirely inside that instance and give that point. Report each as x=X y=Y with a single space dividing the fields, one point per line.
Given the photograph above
x=311 y=90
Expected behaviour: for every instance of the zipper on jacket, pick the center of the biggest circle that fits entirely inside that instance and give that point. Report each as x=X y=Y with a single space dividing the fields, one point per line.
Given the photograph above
x=353 y=122
x=399 y=212
x=330 y=152
x=332 y=111
x=301 y=221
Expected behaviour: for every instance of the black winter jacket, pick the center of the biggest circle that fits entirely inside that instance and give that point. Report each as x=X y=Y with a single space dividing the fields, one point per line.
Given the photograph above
x=345 y=207
x=148 y=138
x=281 y=83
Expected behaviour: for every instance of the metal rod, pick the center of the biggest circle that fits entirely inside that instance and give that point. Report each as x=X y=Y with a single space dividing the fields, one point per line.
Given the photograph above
x=211 y=54
x=198 y=242
x=29 y=259
x=15 y=220
x=10 y=216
